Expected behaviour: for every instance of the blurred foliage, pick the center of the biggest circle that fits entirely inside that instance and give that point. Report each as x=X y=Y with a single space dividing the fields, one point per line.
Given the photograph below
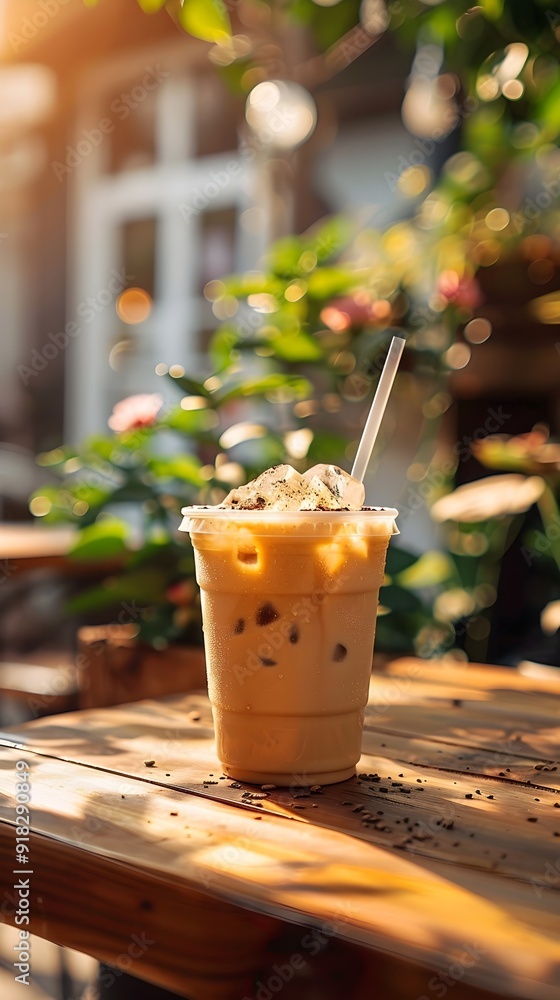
x=181 y=457
x=530 y=475
x=301 y=341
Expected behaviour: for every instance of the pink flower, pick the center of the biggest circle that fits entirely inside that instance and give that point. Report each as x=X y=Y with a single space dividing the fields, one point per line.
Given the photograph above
x=350 y=311
x=134 y=412
x=461 y=291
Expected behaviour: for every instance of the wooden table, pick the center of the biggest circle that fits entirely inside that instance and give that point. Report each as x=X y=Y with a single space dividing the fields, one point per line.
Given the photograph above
x=32 y=546
x=436 y=869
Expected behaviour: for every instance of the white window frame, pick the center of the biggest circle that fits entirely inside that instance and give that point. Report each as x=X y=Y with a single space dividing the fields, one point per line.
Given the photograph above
x=99 y=204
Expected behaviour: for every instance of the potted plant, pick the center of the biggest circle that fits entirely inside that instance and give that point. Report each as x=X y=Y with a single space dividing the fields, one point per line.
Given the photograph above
x=125 y=491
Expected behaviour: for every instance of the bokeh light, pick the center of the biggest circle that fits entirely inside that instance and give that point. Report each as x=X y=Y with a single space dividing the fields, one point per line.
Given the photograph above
x=121 y=353
x=497 y=219
x=40 y=506
x=414 y=180
x=214 y=290
x=238 y=433
x=193 y=403
x=374 y=16
x=499 y=73
x=429 y=106
x=298 y=442
x=306 y=408
x=295 y=291
x=282 y=113
x=478 y=330
x=513 y=90
x=134 y=305
x=458 y=355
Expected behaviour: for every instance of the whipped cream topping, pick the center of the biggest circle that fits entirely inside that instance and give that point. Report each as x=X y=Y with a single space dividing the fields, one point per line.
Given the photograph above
x=324 y=487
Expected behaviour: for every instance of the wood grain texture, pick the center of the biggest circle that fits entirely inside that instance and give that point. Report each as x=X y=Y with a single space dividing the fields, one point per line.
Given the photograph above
x=398 y=861
x=201 y=947
x=148 y=926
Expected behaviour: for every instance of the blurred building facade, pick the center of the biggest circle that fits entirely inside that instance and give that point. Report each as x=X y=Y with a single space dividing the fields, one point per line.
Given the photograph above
x=132 y=168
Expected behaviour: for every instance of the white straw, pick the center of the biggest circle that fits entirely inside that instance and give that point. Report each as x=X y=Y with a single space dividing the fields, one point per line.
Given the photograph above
x=378 y=406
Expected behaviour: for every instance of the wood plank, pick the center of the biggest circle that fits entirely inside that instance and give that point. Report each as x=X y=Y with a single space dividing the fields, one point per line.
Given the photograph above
x=285 y=869
x=38 y=684
x=25 y=547
x=35 y=541
x=492 y=709
x=416 y=808
x=478 y=676
x=144 y=924
x=184 y=940
x=441 y=754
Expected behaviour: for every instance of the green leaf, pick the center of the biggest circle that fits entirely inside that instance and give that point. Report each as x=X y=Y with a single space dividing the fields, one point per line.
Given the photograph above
x=183 y=467
x=549 y=111
x=192 y=422
x=103 y=540
x=295 y=347
x=328 y=29
x=145 y=589
x=398 y=559
x=468 y=569
x=398 y=599
x=224 y=342
x=252 y=283
x=152 y=6
x=493 y=9
x=206 y=19
x=133 y=491
x=190 y=386
x=100 y=447
x=61 y=501
x=283 y=258
x=539 y=544
x=56 y=457
x=431 y=569
x=64 y=498
x=161 y=550
x=250 y=388
x=329 y=238
x=326 y=282
x=393 y=636
x=443 y=23
x=94 y=496
x=326 y=447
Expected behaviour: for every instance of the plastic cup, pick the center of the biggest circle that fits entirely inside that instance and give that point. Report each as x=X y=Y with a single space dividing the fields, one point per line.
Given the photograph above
x=289 y=605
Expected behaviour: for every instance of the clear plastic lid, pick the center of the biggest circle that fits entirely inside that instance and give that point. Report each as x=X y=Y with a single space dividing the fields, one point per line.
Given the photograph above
x=369 y=520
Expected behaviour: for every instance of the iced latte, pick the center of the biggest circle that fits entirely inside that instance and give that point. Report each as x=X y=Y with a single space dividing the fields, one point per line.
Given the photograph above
x=289 y=569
